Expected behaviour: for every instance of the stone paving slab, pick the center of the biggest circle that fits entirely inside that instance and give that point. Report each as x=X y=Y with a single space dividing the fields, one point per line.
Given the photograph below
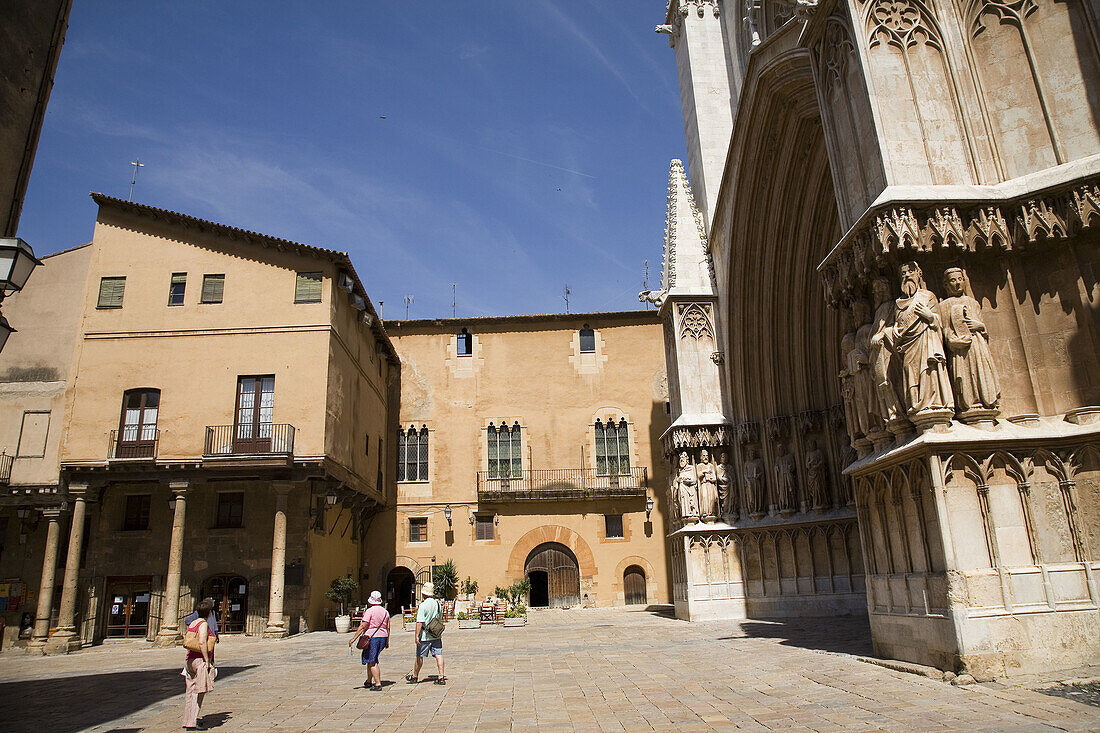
x=591 y=670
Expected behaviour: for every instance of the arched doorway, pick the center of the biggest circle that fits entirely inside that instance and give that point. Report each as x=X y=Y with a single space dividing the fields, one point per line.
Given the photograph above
x=634 y=585
x=400 y=589
x=230 y=594
x=555 y=576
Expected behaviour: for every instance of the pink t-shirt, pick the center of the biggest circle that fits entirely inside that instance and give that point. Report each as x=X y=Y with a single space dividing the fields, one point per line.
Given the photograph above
x=378 y=622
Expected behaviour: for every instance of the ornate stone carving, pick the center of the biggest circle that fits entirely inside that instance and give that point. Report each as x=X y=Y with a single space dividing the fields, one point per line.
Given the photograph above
x=809 y=421
x=779 y=427
x=1005 y=224
x=706 y=436
x=717 y=357
x=727 y=503
x=786 y=482
x=916 y=337
x=1007 y=11
x=686 y=489
x=855 y=385
x=886 y=404
x=902 y=24
x=695 y=321
x=817 y=476
x=708 y=487
x=973 y=376
x=755 y=485
x=748 y=432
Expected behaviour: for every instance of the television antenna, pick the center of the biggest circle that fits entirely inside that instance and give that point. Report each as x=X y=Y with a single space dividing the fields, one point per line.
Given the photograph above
x=408 y=302
x=453 y=286
x=566 y=298
x=645 y=282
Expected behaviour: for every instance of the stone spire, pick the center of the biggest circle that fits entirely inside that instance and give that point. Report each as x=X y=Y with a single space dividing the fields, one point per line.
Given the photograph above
x=687 y=268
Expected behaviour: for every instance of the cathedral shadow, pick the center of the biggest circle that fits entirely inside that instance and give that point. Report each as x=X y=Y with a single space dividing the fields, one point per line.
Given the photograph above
x=64 y=704
x=844 y=635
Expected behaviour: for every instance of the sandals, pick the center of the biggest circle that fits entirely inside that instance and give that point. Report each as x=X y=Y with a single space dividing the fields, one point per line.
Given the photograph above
x=410 y=679
x=440 y=680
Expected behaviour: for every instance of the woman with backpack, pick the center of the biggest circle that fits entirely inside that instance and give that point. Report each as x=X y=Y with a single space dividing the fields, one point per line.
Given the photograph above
x=375 y=633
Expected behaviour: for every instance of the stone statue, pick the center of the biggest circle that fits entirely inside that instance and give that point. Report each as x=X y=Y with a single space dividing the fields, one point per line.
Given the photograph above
x=723 y=471
x=973 y=376
x=855 y=379
x=916 y=339
x=817 y=475
x=686 y=493
x=885 y=405
x=755 y=487
x=708 y=487
x=785 y=481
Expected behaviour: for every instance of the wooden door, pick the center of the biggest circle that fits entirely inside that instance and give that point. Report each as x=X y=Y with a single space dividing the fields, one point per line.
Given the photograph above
x=255 y=414
x=563 y=575
x=634 y=585
x=128 y=614
x=230 y=594
x=137 y=430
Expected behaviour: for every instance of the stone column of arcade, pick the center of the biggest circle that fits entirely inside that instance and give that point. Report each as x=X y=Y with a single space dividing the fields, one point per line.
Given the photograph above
x=45 y=587
x=67 y=639
x=169 y=633
x=276 y=626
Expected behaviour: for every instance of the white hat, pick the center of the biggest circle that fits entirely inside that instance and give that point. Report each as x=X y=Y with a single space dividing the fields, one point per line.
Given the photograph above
x=427 y=590
x=375 y=598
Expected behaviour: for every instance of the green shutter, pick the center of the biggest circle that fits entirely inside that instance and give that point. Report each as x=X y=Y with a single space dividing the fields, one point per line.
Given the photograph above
x=213 y=287
x=307 y=287
x=111 y=290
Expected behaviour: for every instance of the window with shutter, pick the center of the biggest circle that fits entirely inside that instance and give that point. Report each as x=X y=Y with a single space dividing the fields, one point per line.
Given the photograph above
x=418 y=529
x=588 y=340
x=176 y=288
x=613 y=525
x=110 y=292
x=307 y=288
x=212 y=288
x=484 y=526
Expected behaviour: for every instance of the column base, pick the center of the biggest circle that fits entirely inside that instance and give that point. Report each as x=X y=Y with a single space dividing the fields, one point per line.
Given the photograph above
x=62 y=642
x=275 y=632
x=168 y=638
x=36 y=647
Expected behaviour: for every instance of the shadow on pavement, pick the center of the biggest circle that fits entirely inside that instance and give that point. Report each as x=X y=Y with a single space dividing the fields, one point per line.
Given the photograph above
x=846 y=636
x=64 y=704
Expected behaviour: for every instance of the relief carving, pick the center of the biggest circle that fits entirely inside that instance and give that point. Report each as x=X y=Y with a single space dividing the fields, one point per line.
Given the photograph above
x=695 y=321
x=973 y=376
x=708 y=487
x=686 y=489
x=786 y=482
x=916 y=338
x=817 y=476
x=755 y=485
x=727 y=503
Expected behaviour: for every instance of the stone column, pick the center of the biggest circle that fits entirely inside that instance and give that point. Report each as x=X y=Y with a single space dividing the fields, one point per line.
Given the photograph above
x=45 y=585
x=169 y=633
x=276 y=627
x=67 y=639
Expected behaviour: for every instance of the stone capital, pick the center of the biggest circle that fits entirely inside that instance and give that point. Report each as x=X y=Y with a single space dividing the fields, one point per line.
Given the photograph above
x=179 y=488
x=78 y=490
x=52 y=513
x=282 y=488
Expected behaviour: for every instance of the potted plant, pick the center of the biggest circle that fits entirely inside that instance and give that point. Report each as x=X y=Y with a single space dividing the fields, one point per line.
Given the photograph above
x=469 y=589
x=445 y=579
x=516 y=616
x=341 y=591
x=517 y=592
x=468 y=622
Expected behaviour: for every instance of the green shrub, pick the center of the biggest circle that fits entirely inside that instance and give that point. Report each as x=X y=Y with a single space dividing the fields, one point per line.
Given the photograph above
x=445 y=579
x=342 y=591
x=461 y=616
x=469 y=587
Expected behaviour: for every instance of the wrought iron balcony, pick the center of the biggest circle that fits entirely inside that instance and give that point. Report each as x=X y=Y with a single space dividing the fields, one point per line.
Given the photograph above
x=561 y=483
x=133 y=444
x=5 y=468
x=265 y=439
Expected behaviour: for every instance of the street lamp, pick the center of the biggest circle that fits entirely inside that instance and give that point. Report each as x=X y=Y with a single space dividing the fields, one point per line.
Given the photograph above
x=330 y=499
x=16 y=262
x=447 y=514
x=648 y=507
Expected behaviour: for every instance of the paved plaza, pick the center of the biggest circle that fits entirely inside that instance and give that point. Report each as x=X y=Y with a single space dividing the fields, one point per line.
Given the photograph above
x=591 y=670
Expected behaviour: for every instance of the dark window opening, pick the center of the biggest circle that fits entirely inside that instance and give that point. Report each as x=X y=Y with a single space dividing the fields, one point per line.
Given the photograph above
x=176 y=288
x=613 y=525
x=465 y=343
x=136 y=515
x=484 y=526
x=588 y=340
x=418 y=529
x=230 y=510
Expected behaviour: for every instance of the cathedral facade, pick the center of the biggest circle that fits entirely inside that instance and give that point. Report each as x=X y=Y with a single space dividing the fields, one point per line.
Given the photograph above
x=884 y=365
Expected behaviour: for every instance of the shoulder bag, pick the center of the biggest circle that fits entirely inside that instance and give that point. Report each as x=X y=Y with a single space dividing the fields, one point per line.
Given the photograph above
x=191 y=641
x=435 y=627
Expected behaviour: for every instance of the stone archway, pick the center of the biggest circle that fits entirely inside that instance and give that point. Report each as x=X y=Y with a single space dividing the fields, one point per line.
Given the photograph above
x=649 y=579
x=554 y=575
x=586 y=563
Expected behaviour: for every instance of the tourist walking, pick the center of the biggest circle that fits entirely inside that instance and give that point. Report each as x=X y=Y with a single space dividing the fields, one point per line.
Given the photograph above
x=211 y=620
x=375 y=629
x=428 y=637
x=198 y=668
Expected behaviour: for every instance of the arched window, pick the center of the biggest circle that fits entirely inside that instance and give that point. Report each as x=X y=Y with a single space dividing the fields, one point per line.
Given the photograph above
x=505 y=453
x=612 y=448
x=412 y=454
x=588 y=340
x=465 y=343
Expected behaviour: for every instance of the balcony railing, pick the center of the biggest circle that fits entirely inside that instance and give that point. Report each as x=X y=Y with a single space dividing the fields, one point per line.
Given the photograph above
x=563 y=483
x=133 y=444
x=265 y=439
x=5 y=468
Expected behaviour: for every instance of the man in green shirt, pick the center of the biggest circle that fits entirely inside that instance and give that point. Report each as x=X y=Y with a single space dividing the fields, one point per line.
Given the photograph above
x=427 y=644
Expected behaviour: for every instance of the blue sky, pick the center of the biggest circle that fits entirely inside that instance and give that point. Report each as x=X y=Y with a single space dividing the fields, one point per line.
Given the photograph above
x=525 y=145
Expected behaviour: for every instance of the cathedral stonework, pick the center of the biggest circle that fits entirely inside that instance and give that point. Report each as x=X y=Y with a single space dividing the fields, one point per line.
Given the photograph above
x=904 y=255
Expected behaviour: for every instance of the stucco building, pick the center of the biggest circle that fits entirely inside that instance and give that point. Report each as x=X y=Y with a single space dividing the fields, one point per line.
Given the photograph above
x=897 y=204
x=526 y=448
